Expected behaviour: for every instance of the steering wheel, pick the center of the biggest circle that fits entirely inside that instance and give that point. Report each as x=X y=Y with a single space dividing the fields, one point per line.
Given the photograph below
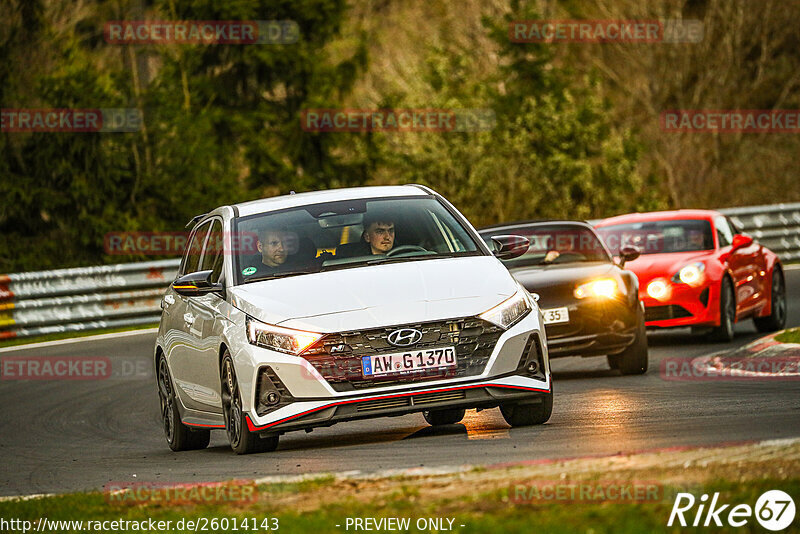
x=405 y=248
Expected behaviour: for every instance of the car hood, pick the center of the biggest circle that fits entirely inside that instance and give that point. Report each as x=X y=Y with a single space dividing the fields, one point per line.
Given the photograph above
x=378 y=295
x=650 y=266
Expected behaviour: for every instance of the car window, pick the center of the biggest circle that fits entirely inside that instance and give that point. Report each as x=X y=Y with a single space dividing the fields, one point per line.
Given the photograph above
x=337 y=235
x=724 y=232
x=553 y=243
x=213 y=252
x=194 y=248
x=656 y=237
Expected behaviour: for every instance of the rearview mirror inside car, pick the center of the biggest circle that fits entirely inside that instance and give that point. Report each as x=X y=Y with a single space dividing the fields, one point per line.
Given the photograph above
x=508 y=247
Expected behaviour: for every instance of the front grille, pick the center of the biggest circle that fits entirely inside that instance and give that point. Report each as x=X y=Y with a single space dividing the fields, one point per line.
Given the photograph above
x=337 y=357
x=662 y=313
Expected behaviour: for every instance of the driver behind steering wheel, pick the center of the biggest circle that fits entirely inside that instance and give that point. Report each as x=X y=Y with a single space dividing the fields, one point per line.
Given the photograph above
x=379 y=235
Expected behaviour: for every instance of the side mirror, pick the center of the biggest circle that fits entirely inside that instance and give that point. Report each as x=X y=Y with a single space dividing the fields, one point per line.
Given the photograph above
x=196 y=284
x=508 y=247
x=628 y=253
x=741 y=241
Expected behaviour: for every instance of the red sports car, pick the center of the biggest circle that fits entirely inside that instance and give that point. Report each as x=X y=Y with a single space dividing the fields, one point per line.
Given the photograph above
x=697 y=269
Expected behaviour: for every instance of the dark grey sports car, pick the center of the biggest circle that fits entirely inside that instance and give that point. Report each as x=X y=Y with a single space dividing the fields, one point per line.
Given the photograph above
x=589 y=302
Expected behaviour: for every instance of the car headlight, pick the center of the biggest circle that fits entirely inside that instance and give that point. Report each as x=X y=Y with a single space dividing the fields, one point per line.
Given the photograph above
x=658 y=289
x=509 y=311
x=691 y=274
x=279 y=338
x=603 y=287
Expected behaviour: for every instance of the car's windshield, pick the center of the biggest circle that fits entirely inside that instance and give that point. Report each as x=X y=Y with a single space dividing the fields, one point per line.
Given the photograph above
x=344 y=234
x=656 y=237
x=553 y=243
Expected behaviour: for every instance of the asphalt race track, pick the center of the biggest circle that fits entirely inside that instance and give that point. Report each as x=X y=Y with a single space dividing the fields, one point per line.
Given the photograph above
x=58 y=436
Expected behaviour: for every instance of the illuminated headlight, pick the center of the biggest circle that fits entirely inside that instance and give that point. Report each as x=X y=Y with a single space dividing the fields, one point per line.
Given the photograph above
x=604 y=288
x=691 y=274
x=509 y=311
x=279 y=338
x=658 y=289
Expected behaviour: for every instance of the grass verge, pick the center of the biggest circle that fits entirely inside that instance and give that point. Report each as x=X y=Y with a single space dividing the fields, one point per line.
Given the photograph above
x=789 y=336
x=495 y=500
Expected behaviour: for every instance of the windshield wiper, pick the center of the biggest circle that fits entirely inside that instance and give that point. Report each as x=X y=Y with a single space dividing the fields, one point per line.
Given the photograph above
x=282 y=275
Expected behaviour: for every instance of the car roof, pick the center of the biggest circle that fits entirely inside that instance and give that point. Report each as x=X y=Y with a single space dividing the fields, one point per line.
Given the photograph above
x=672 y=215
x=293 y=200
x=534 y=222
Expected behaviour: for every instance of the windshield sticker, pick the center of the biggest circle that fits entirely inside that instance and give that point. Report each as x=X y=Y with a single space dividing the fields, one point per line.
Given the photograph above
x=248 y=271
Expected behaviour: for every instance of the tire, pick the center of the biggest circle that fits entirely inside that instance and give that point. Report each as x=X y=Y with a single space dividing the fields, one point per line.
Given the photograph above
x=633 y=360
x=727 y=313
x=242 y=440
x=528 y=414
x=448 y=416
x=777 y=318
x=179 y=436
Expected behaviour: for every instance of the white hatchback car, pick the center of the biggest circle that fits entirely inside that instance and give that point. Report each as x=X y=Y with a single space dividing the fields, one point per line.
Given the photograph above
x=309 y=309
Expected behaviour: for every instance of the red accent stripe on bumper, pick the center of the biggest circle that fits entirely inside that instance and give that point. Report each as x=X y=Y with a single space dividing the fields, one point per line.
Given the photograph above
x=254 y=428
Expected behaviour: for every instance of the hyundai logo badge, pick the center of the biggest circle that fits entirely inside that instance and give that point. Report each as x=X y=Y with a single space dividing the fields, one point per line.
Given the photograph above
x=405 y=337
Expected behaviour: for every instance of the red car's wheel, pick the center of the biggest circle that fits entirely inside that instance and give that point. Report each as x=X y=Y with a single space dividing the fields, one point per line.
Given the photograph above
x=727 y=312
x=776 y=320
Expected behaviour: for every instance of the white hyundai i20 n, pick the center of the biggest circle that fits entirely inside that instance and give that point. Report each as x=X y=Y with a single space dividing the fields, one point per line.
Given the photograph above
x=310 y=309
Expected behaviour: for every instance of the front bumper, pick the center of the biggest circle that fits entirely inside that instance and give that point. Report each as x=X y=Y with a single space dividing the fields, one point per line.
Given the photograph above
x=595 y=328
x=316 y=400
x=684 y=306
x=483 y=394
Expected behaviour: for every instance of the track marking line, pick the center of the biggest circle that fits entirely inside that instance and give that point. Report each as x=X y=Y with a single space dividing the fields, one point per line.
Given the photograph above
x=79 y=339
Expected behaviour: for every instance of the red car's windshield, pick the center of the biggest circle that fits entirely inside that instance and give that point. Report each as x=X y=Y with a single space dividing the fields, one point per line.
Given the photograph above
x=656 y=237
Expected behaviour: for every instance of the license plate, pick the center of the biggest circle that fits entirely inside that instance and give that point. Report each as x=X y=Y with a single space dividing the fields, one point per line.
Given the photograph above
x=414 y=360
x=556 y=315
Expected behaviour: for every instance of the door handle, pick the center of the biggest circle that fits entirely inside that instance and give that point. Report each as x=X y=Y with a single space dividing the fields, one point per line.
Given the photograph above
x=188 y=318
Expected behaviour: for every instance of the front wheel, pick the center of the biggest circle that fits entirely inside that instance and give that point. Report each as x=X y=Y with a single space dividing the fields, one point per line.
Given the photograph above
x=776 y=320
x=634 y=359
x=528 y=414
x=727 y=313
x=242 y=440
x=179 y=436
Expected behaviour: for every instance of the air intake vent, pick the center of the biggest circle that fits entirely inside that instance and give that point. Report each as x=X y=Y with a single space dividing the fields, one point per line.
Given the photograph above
x=431 y=398
x=383 y=404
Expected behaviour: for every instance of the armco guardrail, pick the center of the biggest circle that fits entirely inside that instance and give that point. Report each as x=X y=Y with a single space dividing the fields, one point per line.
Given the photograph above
x=128 y=294
x=84 y=298
x=777 y=227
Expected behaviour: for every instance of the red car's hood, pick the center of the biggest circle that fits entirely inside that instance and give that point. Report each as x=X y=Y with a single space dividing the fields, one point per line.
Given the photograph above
x=649 y=266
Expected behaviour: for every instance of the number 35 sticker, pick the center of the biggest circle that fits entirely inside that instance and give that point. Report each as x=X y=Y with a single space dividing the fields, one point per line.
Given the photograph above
x=775 y=510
